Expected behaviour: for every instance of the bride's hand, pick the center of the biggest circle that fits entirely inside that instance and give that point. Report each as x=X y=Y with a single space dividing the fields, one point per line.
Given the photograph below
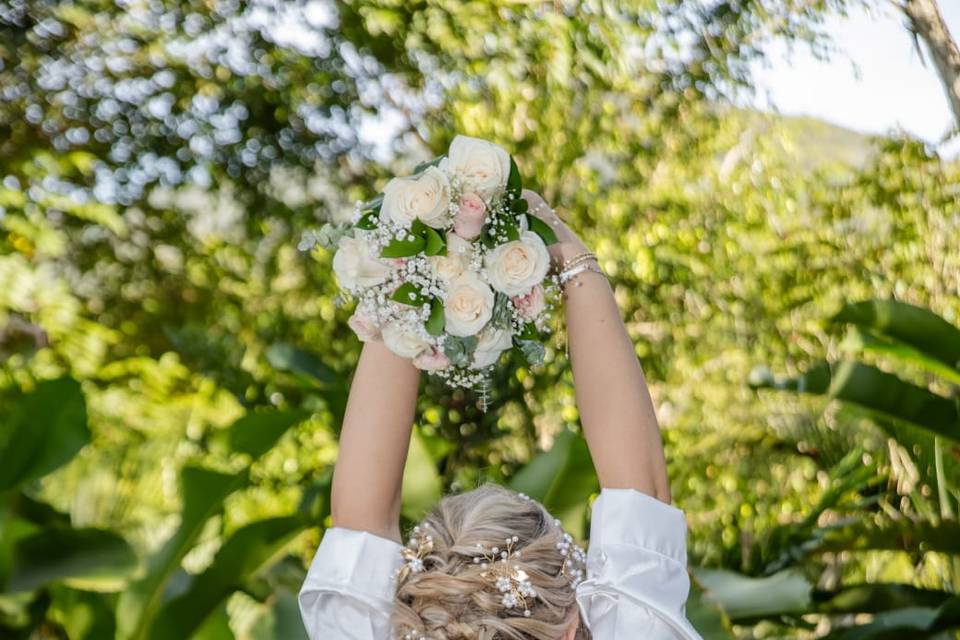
x=568 y=243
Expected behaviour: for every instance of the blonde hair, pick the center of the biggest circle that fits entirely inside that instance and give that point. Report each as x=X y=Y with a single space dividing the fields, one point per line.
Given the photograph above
x=450 y=600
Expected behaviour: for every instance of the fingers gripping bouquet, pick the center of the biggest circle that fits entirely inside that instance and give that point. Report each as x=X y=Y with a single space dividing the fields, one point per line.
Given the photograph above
x=448 y=266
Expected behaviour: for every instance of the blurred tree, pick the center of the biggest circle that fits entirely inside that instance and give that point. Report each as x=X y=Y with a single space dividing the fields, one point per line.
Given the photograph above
x=159 y=160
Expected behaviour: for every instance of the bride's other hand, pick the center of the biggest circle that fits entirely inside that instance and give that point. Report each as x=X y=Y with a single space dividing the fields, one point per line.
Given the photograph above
x=568 y=243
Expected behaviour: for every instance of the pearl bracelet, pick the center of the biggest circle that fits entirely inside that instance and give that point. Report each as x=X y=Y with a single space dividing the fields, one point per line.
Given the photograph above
x=577 y=259
x=570 y=273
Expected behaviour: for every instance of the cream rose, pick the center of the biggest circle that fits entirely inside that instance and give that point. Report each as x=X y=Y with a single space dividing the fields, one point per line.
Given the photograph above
x=514 y=267
x=452 y=265
x=364 y=327
x=425 y=197
x=530 y=304
x=431 y=360
x=469 y=305
x=471 y=214
x=356 y=267
x=402 y=341
x=493 y=341
x=482 y=166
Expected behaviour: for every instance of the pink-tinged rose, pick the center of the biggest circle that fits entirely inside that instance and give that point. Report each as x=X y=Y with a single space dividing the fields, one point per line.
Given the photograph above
x=364 y=327
x=431 y=360
x=530 y=304
x=470 y=217
x=396 y=263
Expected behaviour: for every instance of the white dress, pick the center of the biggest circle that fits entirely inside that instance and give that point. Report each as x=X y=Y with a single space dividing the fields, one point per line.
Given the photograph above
x=636 y=584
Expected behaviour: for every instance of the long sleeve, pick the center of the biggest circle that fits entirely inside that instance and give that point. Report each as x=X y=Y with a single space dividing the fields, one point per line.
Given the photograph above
x=349 y=590
x=637 y=582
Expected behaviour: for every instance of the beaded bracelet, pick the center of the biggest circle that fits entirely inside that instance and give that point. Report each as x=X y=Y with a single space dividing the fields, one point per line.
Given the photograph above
x=577 y=259
x=569 y=274
x=580 y=257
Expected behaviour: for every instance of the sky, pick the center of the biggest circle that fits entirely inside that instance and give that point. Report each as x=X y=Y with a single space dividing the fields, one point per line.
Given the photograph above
x=877 y=84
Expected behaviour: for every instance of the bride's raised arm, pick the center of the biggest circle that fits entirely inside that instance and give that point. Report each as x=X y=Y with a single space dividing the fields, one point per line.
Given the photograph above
x=616 y=411
x=365 y=495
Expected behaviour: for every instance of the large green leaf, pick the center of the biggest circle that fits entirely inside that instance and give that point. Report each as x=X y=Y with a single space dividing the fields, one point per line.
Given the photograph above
x=255 y=433
x=42 y=431
x=707 y=617
x=896 y=535
x=203 y=493
x=286 y=357
x=244 y=554
x=216 y=626
x=914 y=623
x=563 y=479
x=875 y=598
x=282 y=620
x=857 y=340
x=84 y=615
x=744 y=598
x=422 y=486
x=925 y=332
x=91 y=559
x=878 y=392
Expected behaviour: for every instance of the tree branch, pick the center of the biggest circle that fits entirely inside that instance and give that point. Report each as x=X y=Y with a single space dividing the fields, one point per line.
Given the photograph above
x=927 y=21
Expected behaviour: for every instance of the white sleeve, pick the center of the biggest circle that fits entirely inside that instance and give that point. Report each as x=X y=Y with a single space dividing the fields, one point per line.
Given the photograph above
x=637 y=582
x=349 y=590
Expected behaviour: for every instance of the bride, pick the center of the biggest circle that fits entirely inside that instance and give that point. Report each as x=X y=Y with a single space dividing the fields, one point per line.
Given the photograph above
x=491 y=564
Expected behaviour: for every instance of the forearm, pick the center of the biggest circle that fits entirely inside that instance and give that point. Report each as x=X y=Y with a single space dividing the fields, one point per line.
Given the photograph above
x=616 y=410
x=373 y=443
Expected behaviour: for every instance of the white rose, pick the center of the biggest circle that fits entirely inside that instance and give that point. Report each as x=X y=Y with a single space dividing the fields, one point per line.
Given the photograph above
x=425 y=196
x=482 y=166
x=403 y=341
x=515 y=267
x=356 y=267
x=452 y=265
x=364 y=326
x=469 y=305
x=493 y=341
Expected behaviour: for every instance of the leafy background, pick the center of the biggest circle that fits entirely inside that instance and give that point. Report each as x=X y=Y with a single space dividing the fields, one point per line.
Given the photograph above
x=174 y=371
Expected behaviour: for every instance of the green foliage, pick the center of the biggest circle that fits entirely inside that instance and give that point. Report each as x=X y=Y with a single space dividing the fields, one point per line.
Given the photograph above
x=922 y=528
x=42 y=432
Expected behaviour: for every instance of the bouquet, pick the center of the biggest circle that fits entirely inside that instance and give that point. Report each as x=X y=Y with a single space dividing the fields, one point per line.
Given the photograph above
x=448 y=266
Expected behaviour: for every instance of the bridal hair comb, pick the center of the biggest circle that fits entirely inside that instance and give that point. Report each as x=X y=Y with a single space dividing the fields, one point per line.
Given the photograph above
x=510 y=580
x=419 y=546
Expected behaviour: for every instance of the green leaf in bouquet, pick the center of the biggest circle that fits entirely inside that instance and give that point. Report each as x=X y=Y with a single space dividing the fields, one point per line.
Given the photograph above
x=486 y=238
x=409 y=293
x=403 y=248
x=423 y=166
x=533 y=351
x=373 y=205
x=509 y=225
x=368 y=221
x=529 y=332
x=460 y=349
x=520 y=206
x=541 y=228
x=435 y=243
x=436 y=322
x=514 y=183
x=501 y=311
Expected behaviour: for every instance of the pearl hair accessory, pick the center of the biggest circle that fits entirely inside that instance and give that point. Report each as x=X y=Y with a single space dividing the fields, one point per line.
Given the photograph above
x=510 y=580
x=419 y=546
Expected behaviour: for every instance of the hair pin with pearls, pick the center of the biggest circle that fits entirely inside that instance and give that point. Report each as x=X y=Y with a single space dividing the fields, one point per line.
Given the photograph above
x=419 y=547
x=511 y=581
